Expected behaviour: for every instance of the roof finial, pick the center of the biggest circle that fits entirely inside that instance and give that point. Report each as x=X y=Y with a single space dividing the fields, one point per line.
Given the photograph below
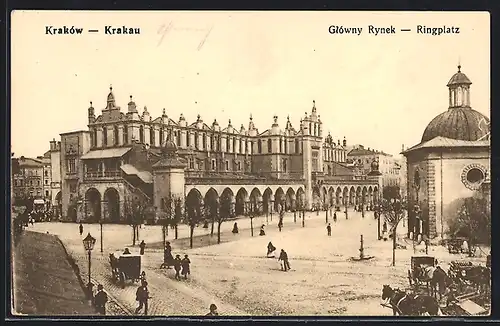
x=459 y=65
x=90 y=103
x=314 y=104
x=251 y=118
x=110 y=87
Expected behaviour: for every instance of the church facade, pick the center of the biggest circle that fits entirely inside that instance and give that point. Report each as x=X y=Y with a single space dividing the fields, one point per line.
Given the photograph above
x=452 y=162
x=117 y=155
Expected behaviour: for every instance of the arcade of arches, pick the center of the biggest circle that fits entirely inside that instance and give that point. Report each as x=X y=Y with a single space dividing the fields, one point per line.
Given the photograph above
x=106 y=208
x=242 y=202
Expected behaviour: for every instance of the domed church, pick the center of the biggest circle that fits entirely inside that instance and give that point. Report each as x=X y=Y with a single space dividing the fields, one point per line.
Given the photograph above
x=451 y=162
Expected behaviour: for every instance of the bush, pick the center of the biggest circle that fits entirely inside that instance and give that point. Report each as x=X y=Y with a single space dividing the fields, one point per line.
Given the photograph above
x=470 y=218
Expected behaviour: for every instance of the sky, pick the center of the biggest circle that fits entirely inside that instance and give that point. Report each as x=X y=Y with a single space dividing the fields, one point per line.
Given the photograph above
x=377 y=90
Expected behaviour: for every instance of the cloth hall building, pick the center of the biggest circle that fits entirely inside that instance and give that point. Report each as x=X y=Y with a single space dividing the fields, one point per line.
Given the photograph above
x=130 y=153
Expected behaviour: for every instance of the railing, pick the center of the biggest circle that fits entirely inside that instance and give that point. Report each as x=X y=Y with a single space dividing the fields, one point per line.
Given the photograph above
x=134 y=188
x=102 y=174
x=202 y=177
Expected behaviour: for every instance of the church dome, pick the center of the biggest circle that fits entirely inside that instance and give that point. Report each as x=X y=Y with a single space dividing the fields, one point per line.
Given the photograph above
x=459 y=78
x=457 y=123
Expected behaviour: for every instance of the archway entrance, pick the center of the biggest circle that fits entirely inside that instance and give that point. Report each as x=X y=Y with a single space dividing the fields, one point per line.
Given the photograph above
x=112 y=199
x=92 y=205
x=241 y=198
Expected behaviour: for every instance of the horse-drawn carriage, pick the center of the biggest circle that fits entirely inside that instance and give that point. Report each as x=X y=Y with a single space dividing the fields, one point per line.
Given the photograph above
x=125 y=267
x=456 y=246
x=467 y=275
x=420 y=269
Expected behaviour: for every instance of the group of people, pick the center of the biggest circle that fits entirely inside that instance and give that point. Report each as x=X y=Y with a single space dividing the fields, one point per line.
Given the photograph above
x=283 y=258
x=181 y=266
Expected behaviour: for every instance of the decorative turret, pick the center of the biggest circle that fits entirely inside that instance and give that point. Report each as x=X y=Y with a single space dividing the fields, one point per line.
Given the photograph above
x=131 y=106
x=242 y=129
x=288 y=124
x=313 y=111
x=91 y=113
x=182 y=121
x=111 y=99
x=215 y=125
x=199 y=122
x=275 y=130
x=252 y=131
x=145 y=114
x=230 y=127
x=344 y=142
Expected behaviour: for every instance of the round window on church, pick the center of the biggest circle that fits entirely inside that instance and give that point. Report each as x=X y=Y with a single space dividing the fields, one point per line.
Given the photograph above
x=475 y=175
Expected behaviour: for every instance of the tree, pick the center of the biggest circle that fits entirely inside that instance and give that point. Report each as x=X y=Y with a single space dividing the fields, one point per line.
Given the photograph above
x=253 y=211
x=194 y=215
x=135 y=211
x=473 y=221
x=167 y=215
x=393 y=211
x=391 y=192
x=178 y=215
x=225 y=213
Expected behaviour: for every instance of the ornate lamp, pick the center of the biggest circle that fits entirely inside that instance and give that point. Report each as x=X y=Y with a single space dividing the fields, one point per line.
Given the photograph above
x=88 y=244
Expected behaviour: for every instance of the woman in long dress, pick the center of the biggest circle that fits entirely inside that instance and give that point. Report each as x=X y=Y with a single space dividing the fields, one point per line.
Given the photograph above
x=168 y=259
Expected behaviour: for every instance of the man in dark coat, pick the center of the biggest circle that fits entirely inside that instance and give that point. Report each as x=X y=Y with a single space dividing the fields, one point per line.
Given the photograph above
x=335 y=216
x=100 y=300
x=213 y=310
x=142 y=245
x=329 y=229
x=142 y=295
x=81 y=229
x=185 y=266
x=284 y=257
x=270 y=248
x=167 y=256
x=177 y=266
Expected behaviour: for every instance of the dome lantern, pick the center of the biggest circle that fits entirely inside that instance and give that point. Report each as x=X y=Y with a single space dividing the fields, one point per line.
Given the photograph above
x=459 y=90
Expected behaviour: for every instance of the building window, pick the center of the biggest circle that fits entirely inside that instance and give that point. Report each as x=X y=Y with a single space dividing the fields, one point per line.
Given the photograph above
x=46 y=182
x=285 y=141
x=269 y=146
x=204 y=142
x=71 y=165
x=188 y=139
x=178 y=135
x=125 y=134
x=196 y=140
x=234 y=145
x=214 y=165
x=227 y=165
x=228 y=144
x=297 y=146
x=281 y=145
x=46 y=193
x=105 y=136
x=141 y=134
x=72 y=187
x=152 y=136
x=259 y=146
x=191 y=163
x=115 y=135
x=284 y=165
x=46 y=173
x=242 y=146
x=161 y=136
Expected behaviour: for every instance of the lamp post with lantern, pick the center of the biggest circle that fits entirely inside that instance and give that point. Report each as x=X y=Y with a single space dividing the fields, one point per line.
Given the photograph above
x=88 y=244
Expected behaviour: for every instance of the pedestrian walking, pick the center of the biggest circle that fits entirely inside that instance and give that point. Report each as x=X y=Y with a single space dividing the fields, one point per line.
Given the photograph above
x=168 y=259
x=235 y=228
x=284 y=258
x=142 y=295
x=262 y=232
x=280 y=224
x=185 y=266
x=81 y=229
x=270 y=249
x=213 y=310
x=335 y=217
x=142 y=277
x=100 y=300
x=142 y=246
x=177 y=266
x=329 y=229
x=384 y=231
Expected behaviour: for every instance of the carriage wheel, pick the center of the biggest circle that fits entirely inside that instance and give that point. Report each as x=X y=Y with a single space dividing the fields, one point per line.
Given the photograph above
x=122 y=280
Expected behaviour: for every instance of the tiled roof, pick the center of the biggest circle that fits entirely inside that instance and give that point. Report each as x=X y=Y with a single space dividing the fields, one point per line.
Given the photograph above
x=442 y=142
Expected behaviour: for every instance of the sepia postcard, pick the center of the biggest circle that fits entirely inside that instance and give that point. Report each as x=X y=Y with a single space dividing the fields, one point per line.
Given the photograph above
x=246 y=163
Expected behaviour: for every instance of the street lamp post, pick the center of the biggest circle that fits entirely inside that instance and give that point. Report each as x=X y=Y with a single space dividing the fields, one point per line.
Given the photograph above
x=88 y=244
x=101 y=235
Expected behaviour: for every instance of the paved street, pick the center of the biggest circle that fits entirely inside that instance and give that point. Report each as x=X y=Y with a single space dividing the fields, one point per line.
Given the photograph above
x=240 y=280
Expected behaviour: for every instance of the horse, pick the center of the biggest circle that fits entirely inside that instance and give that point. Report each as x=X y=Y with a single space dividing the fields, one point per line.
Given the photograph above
x=404 y=304
x=477 y=276
x=436 y=278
